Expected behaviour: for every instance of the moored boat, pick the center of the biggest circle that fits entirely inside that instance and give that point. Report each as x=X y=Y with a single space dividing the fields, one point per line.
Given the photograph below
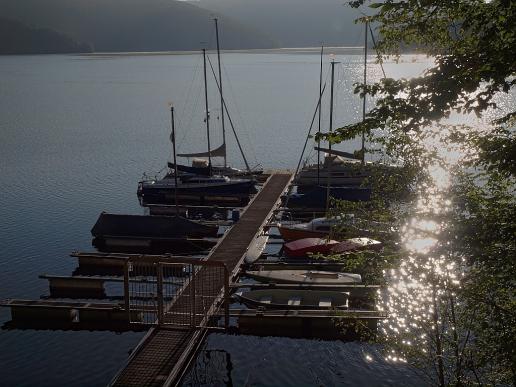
x=152 y=234
x=150 y=227
x=316 y=228
x=356 y=244
x=195 y=186
x=317 y=196
x=312 y=277
x=295 y=299
x=305 y=246
x=334 y=170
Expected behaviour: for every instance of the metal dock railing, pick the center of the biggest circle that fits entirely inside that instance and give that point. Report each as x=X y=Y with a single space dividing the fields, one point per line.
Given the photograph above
x=162 y=356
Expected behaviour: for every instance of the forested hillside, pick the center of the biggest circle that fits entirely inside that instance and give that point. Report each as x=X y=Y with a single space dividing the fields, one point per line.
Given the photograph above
x=133 y=25
x=17 y=38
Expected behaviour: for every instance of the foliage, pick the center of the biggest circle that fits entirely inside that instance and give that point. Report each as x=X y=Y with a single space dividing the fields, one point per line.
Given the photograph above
x=451 y=294
x=484 y=224
x=473 y=44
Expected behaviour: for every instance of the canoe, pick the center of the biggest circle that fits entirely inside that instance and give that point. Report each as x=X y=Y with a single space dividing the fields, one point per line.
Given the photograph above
x=312 y=277
x=295 y=299
x=305 y=246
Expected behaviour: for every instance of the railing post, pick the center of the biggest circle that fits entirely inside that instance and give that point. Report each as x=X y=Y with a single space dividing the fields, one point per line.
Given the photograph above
x=126 y=289
x=226 y=297
x=159 y=291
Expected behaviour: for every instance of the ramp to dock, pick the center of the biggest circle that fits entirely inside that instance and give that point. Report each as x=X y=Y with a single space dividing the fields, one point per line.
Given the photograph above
x=163 y=354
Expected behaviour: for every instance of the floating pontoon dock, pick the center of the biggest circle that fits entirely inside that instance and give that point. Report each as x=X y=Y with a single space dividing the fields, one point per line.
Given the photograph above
x=164 y=353
x=180 y=298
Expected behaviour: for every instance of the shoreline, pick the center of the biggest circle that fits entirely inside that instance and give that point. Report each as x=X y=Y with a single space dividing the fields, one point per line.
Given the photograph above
x=285 y=50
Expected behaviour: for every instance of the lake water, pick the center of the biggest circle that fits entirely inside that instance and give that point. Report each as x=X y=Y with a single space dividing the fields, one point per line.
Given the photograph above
x=77 y=132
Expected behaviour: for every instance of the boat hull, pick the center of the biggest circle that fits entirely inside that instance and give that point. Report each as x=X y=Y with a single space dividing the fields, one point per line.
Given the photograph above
x=295 y=299
x=317 y=196
x=302 y=247
x=161 y=189
x=153 y=246
x=305 y=277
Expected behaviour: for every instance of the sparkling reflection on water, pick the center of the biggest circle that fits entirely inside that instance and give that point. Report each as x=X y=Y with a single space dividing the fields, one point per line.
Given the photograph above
x=422 y=289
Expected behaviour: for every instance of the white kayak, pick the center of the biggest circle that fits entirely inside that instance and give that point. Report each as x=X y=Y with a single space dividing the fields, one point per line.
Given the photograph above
x=312 y=277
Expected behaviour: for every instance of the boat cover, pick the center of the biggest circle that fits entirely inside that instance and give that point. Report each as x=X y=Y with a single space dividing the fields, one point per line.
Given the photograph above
x=152 y=227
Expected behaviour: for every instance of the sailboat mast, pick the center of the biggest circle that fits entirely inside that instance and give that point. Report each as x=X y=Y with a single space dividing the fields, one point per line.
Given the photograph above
x=331 y=99
x=220 y=88
x=207 y=116
x=319 y=107
x=328 y=178
x=175 y=159
x=364 y=97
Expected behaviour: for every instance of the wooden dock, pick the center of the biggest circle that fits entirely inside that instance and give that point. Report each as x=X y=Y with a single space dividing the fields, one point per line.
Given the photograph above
x=163 y=355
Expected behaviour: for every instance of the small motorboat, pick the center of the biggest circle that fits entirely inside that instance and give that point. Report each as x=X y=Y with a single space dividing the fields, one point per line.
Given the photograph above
x=312 y=277
x=305 y=246
x=295 y=299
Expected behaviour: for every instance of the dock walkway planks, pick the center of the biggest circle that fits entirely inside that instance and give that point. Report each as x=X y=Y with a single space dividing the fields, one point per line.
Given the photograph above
x=161 y=352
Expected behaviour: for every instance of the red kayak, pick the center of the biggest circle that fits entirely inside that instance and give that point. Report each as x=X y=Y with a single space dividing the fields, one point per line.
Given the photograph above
x=302 y=247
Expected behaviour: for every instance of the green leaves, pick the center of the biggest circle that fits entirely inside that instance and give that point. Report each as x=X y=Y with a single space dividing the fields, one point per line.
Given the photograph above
x=470 y=333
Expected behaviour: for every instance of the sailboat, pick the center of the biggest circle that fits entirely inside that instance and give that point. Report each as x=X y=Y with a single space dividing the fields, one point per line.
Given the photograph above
x=341 y=168
x=317 y=195
x=161 y=234
x=202 y=161
x=192 y=187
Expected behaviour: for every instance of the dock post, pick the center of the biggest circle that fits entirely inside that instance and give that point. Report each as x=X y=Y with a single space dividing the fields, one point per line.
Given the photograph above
x=126 y=289
x=159 y=292
x=192 y=297
x=226 y=297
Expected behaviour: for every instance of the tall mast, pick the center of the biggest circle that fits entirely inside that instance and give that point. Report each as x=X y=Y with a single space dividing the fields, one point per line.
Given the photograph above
x=220 y=88
x=331 y=99
x=207 y=116
x=364 y=97
x=319 y=107
x=331 y=130
x=175 y=159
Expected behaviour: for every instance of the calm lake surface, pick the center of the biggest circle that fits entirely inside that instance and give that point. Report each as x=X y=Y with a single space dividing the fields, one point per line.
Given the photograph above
x=77 y=132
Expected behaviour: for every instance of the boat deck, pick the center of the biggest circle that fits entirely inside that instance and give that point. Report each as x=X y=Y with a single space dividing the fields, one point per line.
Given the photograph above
x=163 y=354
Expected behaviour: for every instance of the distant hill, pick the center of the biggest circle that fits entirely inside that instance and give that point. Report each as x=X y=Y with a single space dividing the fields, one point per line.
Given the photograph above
x=295 y=23
x=133 y=25
x=17 y=38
